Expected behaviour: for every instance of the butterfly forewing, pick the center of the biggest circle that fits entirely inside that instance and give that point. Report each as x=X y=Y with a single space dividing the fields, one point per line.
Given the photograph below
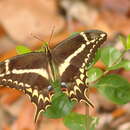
x=28 y=73
x=71 y=56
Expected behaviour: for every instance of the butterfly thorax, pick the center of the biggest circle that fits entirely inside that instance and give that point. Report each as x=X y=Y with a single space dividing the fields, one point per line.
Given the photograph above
x=52 y=67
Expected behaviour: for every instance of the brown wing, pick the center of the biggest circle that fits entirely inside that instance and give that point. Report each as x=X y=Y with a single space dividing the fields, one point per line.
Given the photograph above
x=28 y=73
x=71 y=56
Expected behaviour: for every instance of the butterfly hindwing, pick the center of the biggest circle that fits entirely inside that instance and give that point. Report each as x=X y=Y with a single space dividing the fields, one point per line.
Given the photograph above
x=28 y=73
x=71 y=56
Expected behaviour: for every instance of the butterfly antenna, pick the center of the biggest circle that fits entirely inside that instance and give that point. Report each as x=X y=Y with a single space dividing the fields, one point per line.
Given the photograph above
x=45 y=43
x=36 y=37
x=52 y=32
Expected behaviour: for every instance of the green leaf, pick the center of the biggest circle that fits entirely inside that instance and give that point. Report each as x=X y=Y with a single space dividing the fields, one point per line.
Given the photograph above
x=43 y=47
x=126 y=65
x=97 y=57
x=60 y=107
x=128 y=42
x=91 y=123
x=94 y=73
x=75 y=121
x=110 y=56
x=123 y=40
x=22 y=49
x=115 y=88
x=123 y=64
x=74 y=34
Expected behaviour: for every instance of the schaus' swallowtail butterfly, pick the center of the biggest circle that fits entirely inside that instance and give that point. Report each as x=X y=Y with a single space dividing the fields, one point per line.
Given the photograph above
x=32 y=72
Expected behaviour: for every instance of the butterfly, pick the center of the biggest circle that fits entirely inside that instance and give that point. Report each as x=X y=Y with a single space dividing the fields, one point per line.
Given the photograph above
x=33 y=72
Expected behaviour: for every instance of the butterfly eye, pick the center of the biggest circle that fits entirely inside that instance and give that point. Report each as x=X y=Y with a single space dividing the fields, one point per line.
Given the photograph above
x=49 y=87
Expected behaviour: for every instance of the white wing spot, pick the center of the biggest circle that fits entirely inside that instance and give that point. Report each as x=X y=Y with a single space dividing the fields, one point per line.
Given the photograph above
x=76 y=89
x=71 y=93
x=92 y=41
x=81 y=70
x=86 y=81
x=40 y=98
x=103 y=35
x=83 y=65
x=15 y=82
x=27 y=85
x=4 y=80
x=46 y=99
x=91 y=50
x=10 y=80
x=86 y=60
x=35 y=93
x=78 y=81
x=100 y=38
x=88 y=55
x=7 y=66
x=81 y=76
x=94 y=45
x=29 y=90
x=21 y=84
x=74 y=99
x=47 y=106
x=2 y=75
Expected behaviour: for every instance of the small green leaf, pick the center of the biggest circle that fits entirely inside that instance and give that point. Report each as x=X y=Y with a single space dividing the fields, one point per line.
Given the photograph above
x=97 y=57
x=115 y=88
x=91 y=122
x=110 y=56
x=123 y=40
x=43 y=47
x=123 y=64
x=128 y=42
x=22 y=49
x=94 y=73
x=60 y=107
x=126 y=65
x=75 y=121
x=74 y=34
